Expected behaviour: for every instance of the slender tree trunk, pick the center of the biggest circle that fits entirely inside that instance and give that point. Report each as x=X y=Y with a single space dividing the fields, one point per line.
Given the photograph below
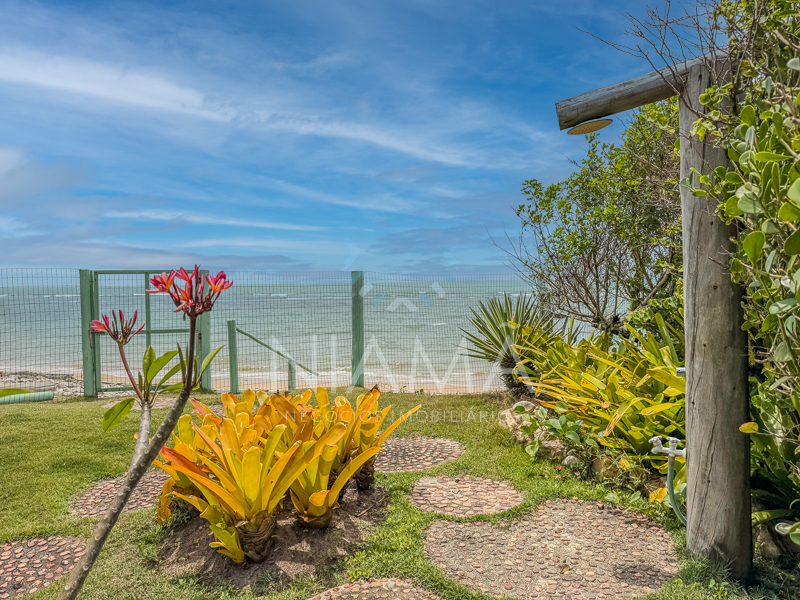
x=143 y=439
x=717 y=402
x=135 y=473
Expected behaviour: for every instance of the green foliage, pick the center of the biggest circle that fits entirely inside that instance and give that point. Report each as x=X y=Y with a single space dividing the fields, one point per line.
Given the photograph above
x=760 y=193
x=150 y=389
x=501 y=325
x=151 y=367
x=616 y=397
x=661 y=314
x=114 y=415
x=608 y=238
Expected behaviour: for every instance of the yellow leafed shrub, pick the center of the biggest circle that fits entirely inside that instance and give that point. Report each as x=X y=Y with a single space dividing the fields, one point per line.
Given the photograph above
x=315 y=492
x=241 y=466
x=236 y=469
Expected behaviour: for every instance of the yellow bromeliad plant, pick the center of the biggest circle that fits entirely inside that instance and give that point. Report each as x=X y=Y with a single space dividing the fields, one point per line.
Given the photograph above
x=236 y=469
x=622 y=396
x=315 y=493
x=241 y=465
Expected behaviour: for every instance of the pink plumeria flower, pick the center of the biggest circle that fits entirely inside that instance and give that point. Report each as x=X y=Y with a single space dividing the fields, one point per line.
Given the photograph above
x=120 y=331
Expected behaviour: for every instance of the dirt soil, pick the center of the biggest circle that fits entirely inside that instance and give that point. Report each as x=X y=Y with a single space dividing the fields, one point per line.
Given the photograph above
x=297 y=551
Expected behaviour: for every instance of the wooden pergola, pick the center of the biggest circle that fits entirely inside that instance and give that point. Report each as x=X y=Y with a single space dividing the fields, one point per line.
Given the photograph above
x=717 y=400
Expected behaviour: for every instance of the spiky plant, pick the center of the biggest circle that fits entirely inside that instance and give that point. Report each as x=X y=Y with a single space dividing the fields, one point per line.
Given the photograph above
x=503 y=323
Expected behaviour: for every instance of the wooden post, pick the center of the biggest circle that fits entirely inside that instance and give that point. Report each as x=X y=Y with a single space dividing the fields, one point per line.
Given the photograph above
x=148 y=321
x=619 y=97
x=717 y=402
x=233 y=358
x=357 y=321
x=87 y=339
x=718 y=454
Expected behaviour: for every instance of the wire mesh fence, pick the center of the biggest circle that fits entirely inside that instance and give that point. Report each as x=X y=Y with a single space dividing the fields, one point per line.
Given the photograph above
x=289 y=328
x=40 y=338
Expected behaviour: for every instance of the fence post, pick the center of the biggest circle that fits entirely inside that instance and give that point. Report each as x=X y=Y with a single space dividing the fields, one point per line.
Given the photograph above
x=357 y=321
x=87 y=339
x=98 y=366
x=292 y=375
x=148 y=324
x=204 y=347
x=233 y=358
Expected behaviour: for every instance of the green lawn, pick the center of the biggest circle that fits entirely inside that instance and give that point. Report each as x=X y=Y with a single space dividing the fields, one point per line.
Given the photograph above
x=53 y=451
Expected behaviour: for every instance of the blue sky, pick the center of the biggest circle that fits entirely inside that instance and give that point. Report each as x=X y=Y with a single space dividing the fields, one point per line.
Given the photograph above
x=377 y=135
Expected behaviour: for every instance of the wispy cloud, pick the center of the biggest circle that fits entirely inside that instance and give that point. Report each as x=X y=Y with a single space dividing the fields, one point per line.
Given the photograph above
x=294 y=246
x=133 y=129
x=104 y=81
x=198 y=219
x=22 y=176
x=151 y=89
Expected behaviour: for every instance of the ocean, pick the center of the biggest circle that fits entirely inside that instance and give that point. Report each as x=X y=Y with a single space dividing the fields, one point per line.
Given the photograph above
x=413 y=325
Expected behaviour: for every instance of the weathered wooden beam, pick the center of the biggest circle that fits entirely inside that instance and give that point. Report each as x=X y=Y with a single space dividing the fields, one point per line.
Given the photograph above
x=717 y=402
x=619 y=97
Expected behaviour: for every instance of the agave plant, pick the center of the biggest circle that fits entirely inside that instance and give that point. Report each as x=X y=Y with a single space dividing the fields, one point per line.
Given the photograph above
x=502 y=326
x=242 y=466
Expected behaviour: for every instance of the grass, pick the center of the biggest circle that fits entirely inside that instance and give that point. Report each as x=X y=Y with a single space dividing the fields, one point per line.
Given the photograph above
x=54 y=451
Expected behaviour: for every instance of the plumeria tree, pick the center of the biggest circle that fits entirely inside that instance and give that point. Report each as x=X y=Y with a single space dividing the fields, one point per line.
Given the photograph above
x=192 y=295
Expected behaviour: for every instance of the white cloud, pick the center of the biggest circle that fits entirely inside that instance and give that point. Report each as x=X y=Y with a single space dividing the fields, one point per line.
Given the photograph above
x=378 y=136
x=10 y=158
x=279 y=105
x=167 y=215
x=295 y=246
x=14 y=228
x=384 y=202
x=104 y=81
x=22 y=177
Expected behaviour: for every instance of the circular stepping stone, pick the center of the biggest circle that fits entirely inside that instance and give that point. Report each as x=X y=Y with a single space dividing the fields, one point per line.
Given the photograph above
x=568 y=549
x=376 y=589
x=463 y=496
x=27 y=566
x=97 y=499
x=401 y=455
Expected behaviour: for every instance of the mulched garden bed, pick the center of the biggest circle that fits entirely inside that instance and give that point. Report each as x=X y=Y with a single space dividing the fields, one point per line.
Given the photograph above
x=27 y=566
x=376 y=589
x=463 y=496
x=416 y=453
x=568 y=550
x=297 y=550
x=97 y=499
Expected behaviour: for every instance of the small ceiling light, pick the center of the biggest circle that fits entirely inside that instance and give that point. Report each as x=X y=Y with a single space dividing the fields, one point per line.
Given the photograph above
x=590 y=126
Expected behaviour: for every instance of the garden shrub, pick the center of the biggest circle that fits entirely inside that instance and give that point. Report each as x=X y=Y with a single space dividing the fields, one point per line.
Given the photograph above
x=236 y=469
x=615 y=398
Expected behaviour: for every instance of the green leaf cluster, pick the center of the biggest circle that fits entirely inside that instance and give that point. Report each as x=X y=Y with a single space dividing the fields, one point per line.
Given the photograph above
x=152 y=365
x=607 y=239
x=501 y=324
x=760 y=194
x=617 y=397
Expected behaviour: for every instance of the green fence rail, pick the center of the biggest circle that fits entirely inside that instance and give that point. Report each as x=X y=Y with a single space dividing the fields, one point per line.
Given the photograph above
x=233 y=359
x=90 y=292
